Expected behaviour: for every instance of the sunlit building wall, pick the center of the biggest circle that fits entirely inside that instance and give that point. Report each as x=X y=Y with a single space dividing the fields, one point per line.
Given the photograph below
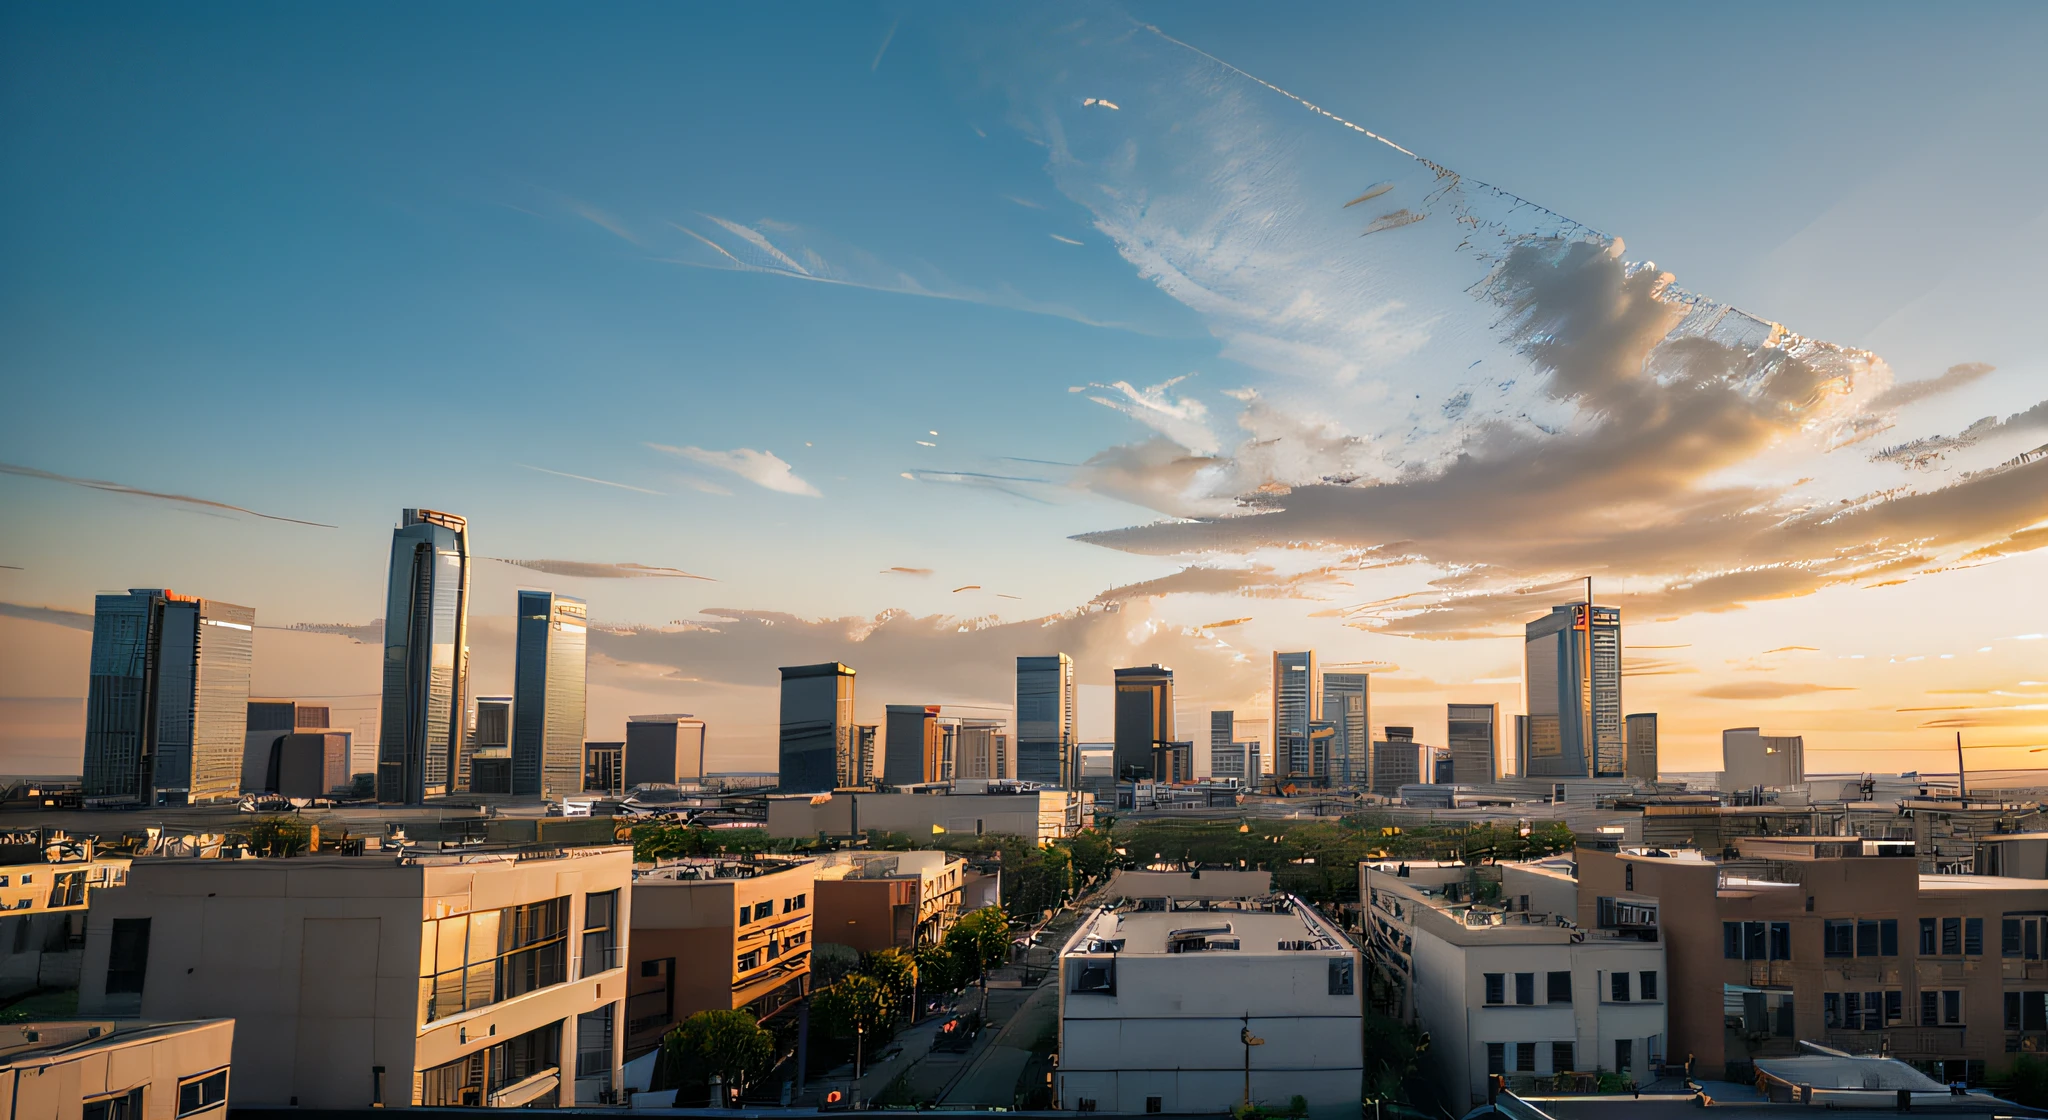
x=548 y=695
x=167 y=702
x=426 y=657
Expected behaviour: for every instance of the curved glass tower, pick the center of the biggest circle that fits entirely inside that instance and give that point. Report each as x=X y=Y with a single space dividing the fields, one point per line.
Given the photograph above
x=548 y=696
x=426 y=657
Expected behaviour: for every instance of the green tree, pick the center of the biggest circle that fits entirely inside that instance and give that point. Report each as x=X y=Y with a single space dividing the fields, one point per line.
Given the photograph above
x=279 y=836
x=1092 y=852
x=857 y=1008
x=938 y=970
x=729 y=1045
x=980 y=940
x=896 y=972
x=2028 y=1082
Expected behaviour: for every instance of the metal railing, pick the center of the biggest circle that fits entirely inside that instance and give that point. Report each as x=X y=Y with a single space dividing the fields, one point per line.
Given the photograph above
x=1901 y=1042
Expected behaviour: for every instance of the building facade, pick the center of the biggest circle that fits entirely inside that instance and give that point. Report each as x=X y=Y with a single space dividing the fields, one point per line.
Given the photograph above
x=1396 y=761
x=913 y=748
x=1347 y=708
x=1572 y=671
x=115 y=1070
x=1296 y=701
x=548 y=695
x=1046 y=721
x=1474 y=736
x=1641 y=733
x=815 y=751
x=271 y=719
x=47 y=882
x=753 y=914
x=486 y=762
x=167 y=703
x=426 y=657
x=870 y=901
x=970 y=807
x=486 y=978
x=982 y=750
x=1750 y=758
x=604 y=767
x=1186 y=1005
x=1144 y=718
x=664 y=750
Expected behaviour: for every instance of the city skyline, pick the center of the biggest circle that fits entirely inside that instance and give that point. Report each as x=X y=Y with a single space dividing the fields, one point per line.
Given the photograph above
x=1103 y=406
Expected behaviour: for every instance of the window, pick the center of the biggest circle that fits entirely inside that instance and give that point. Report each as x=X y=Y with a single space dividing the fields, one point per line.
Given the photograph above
x=764 y=910
x=1342 y=980
x=125 y=1106
x=1894 y=1007
x=750 y=959
x=1781 y=940
x=1496 y=1057
x=1618 y=986
x=594 y=1043
x=1731 y=940
x=1866 y=938
x=1628 y=877
x=1561 y=1057
x=1098 y=976
x=127 y=958
x=1525 y=1057
x=1927 y=942
x=1838 y=937
x=2024 y=936
x=1624 y=1054
x=1951 y=937
x=2026 y=1011
x=1952 y=1008
x=1496 y=987
x=1941 y=1008
x=1648 y=985
x=601 y=933
x=1525 y=987
x=793 y=904
x=1155 y=1104
x=746 y=914
x=1888 y=937
x=487 y=956
x=1754 y=940
x=1973 y=937
x=1559 y=985
x=202 y=1093
x=1831 y=1009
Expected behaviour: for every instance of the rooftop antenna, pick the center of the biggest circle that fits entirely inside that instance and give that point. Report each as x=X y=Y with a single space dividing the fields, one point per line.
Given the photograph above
x=1962 y=788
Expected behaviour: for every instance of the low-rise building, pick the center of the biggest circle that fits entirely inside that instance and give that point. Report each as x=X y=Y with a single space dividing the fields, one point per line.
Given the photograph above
x=753 y=914
x=972 y=808
x=487 y=978
x=870 y=901
x=114 y=1070
x=1189 y=1005
x=1505 y=989
x=47 y=880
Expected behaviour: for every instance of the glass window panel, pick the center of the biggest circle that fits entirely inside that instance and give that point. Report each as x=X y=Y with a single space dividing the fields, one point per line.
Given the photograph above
x=483 y=934
x=450 y=935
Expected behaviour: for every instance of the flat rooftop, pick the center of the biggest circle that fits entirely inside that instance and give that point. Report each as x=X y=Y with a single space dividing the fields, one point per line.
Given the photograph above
x=1258 y=931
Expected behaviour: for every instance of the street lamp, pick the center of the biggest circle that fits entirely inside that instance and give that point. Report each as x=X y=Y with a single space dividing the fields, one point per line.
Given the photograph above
x=1250 y=1040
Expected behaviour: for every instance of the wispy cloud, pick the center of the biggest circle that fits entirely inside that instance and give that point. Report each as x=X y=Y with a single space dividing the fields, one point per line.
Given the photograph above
x=1766 y=690
x=762 y=468
x=887 y=37
x=1185 y=420
x=598 y=481
x=580 y=569
x=1909 y=392
x=605 y=221
x=1063 y=240
x=58 y=616
x=120 y=488
x=901 y=571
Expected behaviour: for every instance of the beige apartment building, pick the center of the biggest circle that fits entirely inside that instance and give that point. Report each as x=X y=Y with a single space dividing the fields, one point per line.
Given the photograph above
x=1839 y=940
x=109 y=1070
x=966 y=808
x=486 y=978
x=689 y=915
x=47 y=880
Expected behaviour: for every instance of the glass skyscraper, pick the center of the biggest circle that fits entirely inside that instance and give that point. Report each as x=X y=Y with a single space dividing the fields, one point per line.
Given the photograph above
x=1144 y=718
x=426 y=657
x=1045 y=721
x=167 y=704
x=548 y=695
x=1642 y=745
x=1345 y=707
x=1296 y=702
x=1475 y=736
x=1573 y=676
x=816 y=750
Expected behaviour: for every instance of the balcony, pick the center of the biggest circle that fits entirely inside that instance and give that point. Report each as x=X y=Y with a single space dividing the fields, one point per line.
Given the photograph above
x=1769 y=974
x=1909 y=1043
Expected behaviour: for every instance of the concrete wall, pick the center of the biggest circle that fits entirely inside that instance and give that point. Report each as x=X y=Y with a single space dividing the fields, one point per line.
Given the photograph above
x=1038 y=817
x=154 y=1058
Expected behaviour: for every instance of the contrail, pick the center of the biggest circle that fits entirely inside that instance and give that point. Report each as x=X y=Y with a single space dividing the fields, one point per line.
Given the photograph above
x=119 y=488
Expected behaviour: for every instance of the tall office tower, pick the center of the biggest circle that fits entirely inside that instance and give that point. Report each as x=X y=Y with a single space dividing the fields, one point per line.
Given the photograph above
x=1322 y=749
x=486 y=762
x=1396 y=762
x=816 y=751
x=548 y=695
x=982 y=749
x=426 y=657
x=1229 y=760
x=1642 y=746
x=1573 y=674
x=1345 y=706
x=604 y=767
x=1296 y=701
x=864 y=735
x=1474 y=743
x=1521 y=746
x=270 y=720
x=1173 y=762
x=1045 y=721
x=663 y=750
x=1222 y=733
x=1144 y=718
x=167 y=702
x=913 y=744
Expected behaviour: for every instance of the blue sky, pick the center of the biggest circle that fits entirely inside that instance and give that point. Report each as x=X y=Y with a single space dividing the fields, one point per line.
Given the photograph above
x=327 y=263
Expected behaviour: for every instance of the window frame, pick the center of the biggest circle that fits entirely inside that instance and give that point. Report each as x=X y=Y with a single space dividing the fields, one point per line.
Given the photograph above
x=200 y=1080
x=1494 y=988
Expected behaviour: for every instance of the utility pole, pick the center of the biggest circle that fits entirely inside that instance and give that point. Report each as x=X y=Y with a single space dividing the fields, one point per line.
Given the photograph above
x=1250 y=1040
x=1962 y=788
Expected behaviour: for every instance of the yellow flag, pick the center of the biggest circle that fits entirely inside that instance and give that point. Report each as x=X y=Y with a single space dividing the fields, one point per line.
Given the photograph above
x=937 y=830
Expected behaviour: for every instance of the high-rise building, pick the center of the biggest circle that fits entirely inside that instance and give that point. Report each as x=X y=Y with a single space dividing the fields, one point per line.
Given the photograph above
x=1144 y=718
x=426 y=657
x=271 y=719
x=604 y=767
x=1322 y=749
x=1474 y=742
x=1750 y=758
x=167 y=702
x=485 y=765
x=913 y=745
x=983 y=750
x=864 y=744
x=816 y=750
x=1173 y=762
x=663 y=750
x=1573 y=677
x=1229 y=755
x=1345 y=706
x=1642 y=746
x=548 y=695
x=1396 y=761
x=1045 y=721
x=1296 y=701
